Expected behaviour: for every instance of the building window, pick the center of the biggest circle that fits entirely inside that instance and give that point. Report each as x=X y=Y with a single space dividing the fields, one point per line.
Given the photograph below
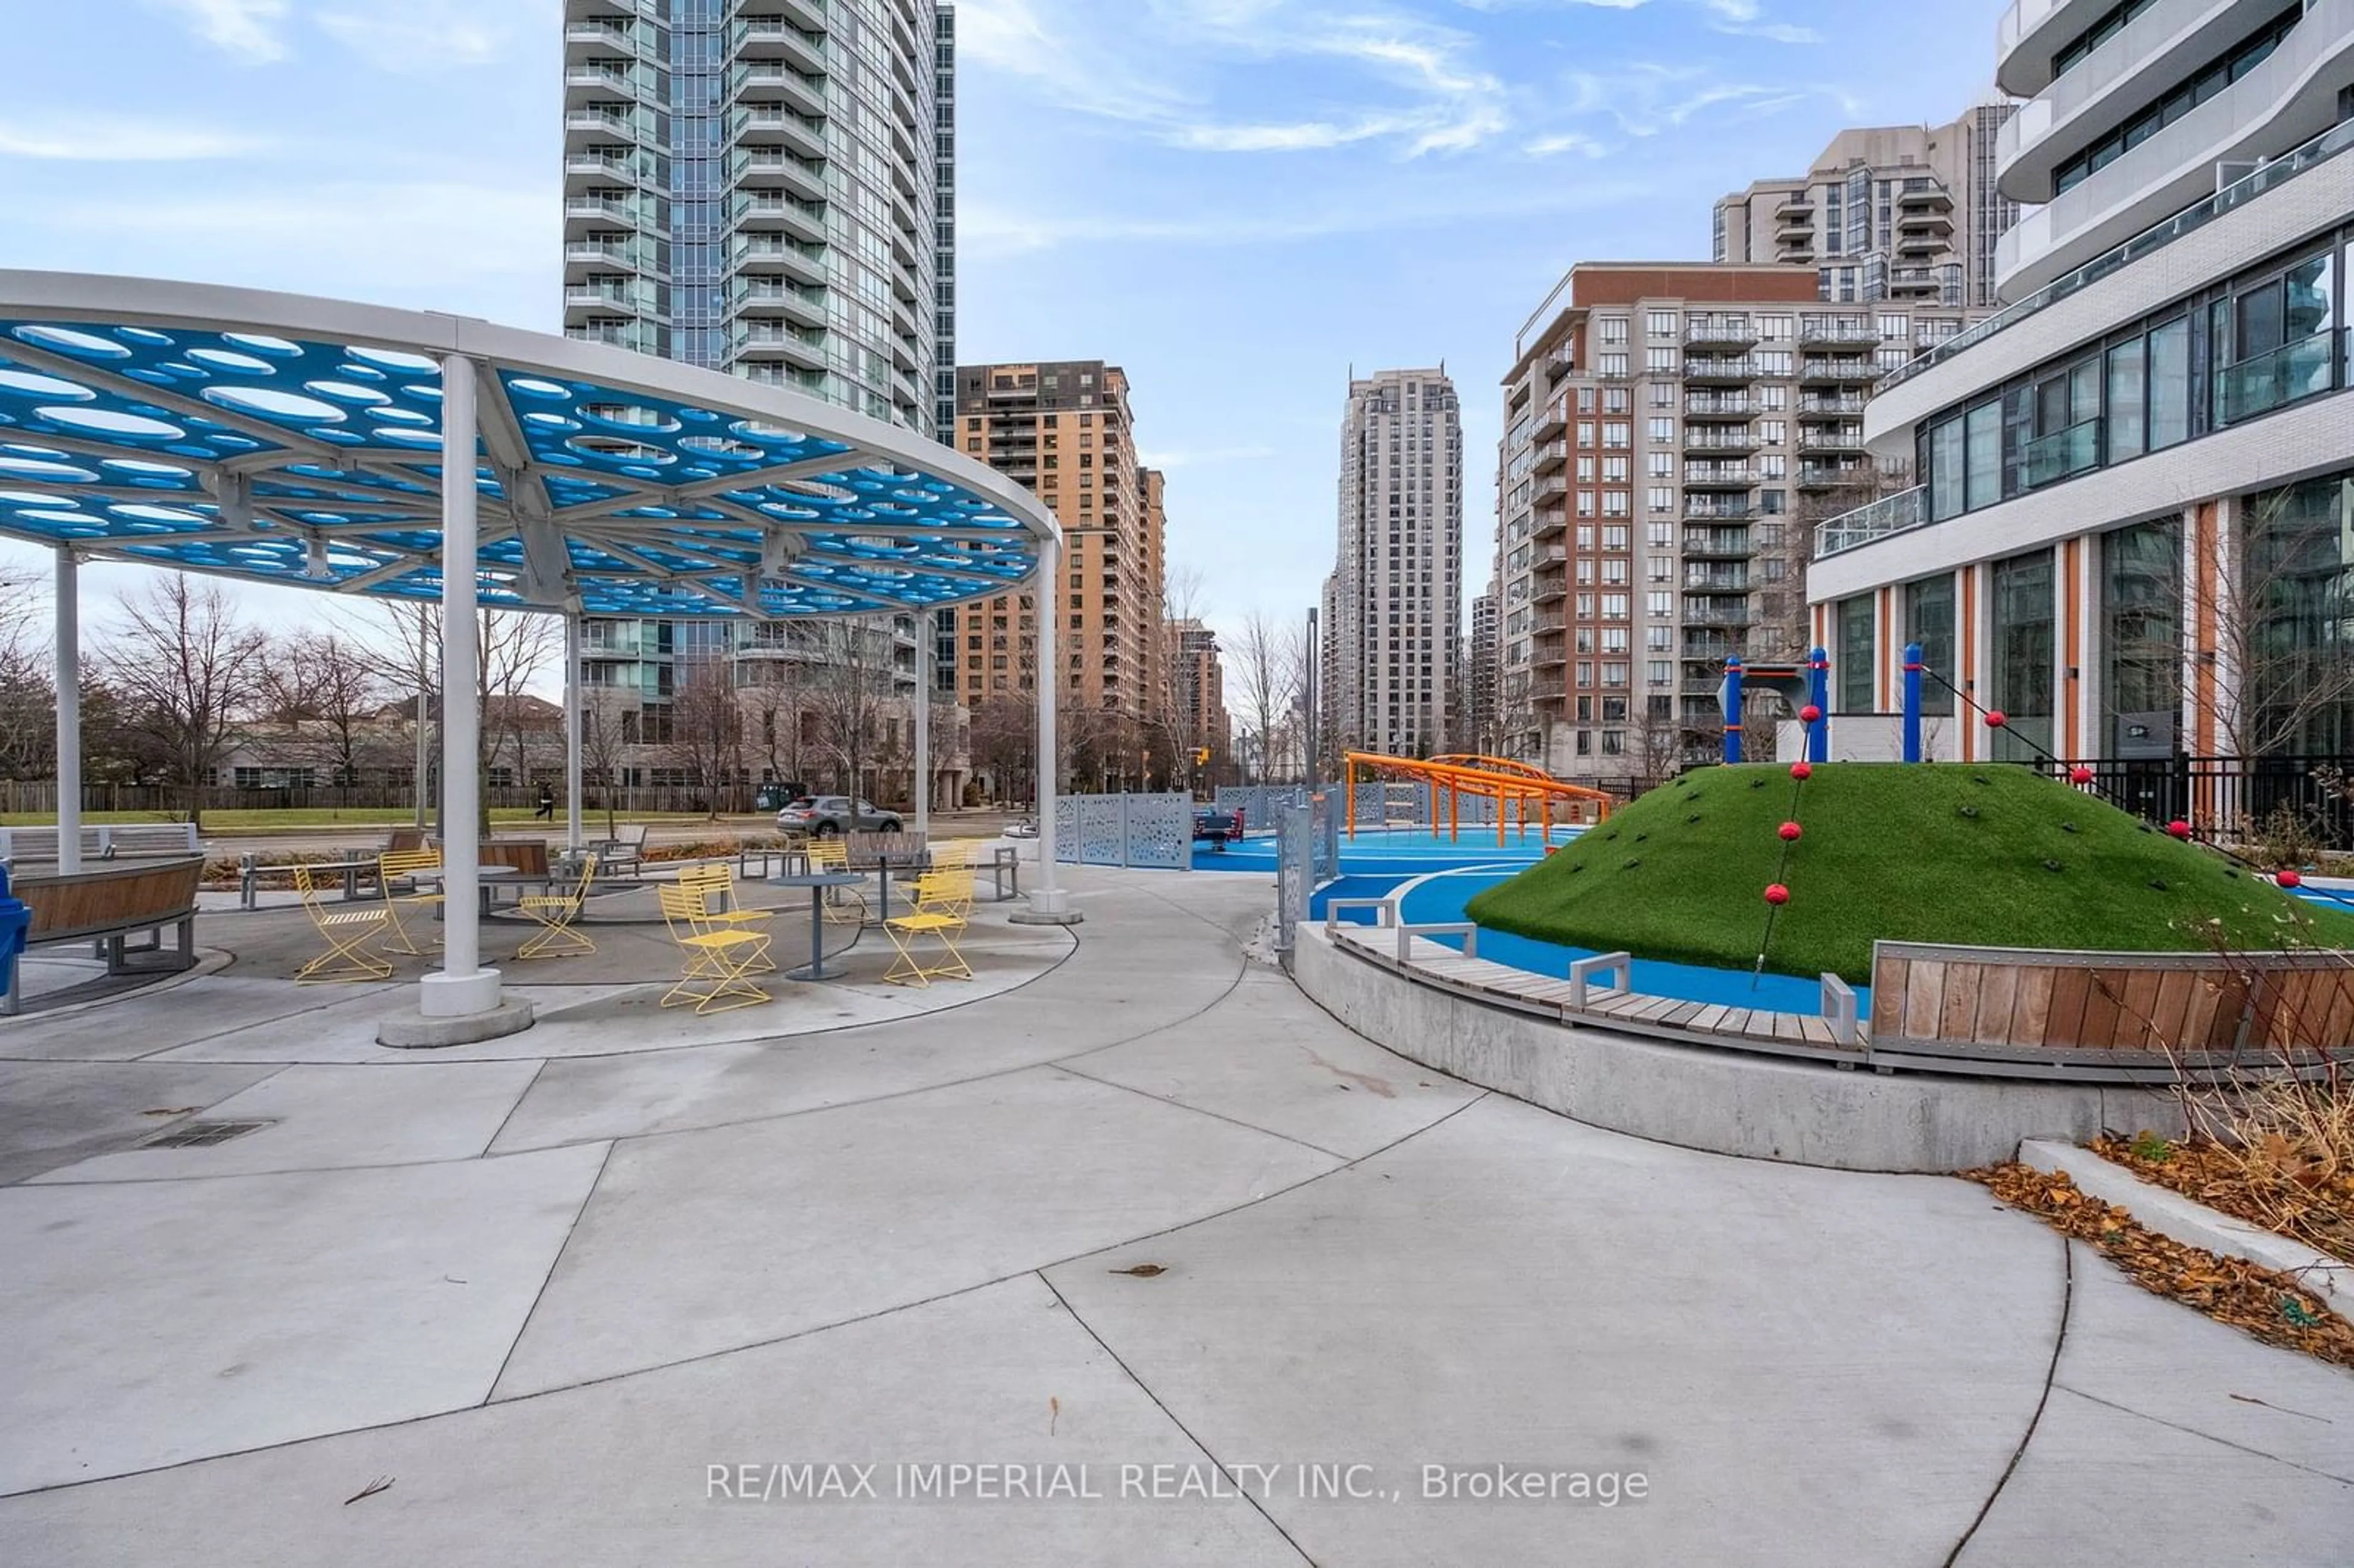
x=2141 y=638
x=2024 y=645
x=2274 y=341
x=2297 y=667
x=1856 y=639
x=1929 y=622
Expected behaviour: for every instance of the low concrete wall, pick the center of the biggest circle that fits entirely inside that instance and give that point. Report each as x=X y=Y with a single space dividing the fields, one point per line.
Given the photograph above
x=1726 y=1102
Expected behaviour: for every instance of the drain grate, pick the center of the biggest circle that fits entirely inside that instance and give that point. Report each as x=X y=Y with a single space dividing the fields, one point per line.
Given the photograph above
x=204 y=1134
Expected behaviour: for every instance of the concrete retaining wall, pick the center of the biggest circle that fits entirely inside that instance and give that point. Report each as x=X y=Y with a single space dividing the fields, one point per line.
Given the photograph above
x=1727 y=1102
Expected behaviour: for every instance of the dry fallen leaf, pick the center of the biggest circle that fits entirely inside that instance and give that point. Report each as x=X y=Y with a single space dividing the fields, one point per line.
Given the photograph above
x=1141 y=1271
x=1054 y=1412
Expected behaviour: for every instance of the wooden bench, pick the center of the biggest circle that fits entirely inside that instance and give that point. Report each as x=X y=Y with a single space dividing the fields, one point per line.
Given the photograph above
x=107 y=905
x=2149 y=1010
x=126 y=840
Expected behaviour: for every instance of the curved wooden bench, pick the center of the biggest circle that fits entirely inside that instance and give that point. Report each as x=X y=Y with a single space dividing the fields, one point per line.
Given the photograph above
x=108 y=903
x=2024 y=1006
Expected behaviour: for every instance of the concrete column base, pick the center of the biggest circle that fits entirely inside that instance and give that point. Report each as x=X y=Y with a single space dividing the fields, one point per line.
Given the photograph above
x=1048 y=906
x=424 y=1032
x=441 y=994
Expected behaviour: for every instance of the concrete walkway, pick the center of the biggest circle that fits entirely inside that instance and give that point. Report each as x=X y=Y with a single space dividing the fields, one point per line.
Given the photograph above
x=1141 y=1212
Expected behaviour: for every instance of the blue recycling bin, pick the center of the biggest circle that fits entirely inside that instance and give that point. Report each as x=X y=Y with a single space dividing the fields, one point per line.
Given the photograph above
x=15 y=920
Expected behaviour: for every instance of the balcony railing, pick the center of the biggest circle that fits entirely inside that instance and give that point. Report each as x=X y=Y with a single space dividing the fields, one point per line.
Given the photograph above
x=2269 y=381
x=1817 y=331
x=1722 y=476
x=2061 y=454
x=1888 y=514
x=1700 y=367
x=1700 y=405
x=1856 y=369
x=2281 y=170
x=1823 y=408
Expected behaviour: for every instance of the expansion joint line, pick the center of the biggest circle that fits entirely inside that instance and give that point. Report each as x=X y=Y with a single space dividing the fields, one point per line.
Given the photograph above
x=1204 y=1449
x=2050 y=1375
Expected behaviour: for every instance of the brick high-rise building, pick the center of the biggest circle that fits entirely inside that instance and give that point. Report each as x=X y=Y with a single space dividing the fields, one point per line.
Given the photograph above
x=1397 y=605
x=1669 y=429
x=1065 y=430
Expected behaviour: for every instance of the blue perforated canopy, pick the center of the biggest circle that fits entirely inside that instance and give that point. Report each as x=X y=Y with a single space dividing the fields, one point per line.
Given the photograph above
x=297 y=441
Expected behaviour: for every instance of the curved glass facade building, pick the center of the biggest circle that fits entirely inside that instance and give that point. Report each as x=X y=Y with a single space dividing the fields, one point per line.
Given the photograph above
x=755 y=185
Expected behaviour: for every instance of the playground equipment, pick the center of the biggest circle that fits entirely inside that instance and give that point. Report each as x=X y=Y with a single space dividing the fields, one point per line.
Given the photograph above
x=1808 y=687
x=1514 y=787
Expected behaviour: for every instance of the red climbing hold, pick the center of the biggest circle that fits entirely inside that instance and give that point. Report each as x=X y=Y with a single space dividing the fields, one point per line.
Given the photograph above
x=1802 y=771
x=1996 y=718
x=1777 y=895
x=2080 y=774
x=2179 y=828
x=1809 y=713
x=2289 y=879
x=1790 y=832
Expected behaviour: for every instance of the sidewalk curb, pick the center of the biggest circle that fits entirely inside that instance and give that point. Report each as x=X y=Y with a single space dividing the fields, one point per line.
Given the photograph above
x=2191 y=1222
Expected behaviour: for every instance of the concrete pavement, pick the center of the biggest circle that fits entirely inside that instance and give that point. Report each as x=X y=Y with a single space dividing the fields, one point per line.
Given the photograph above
x=1140 y=1219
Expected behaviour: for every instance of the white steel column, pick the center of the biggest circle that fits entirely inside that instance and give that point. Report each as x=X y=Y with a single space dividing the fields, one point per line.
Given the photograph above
x=927 y=629
x=572 y=730
x=68 y=712
x=462 y=987
x=1049 y=905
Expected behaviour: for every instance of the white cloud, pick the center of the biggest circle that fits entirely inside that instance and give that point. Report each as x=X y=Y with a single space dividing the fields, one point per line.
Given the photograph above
x=1742 y=18
x=989 y=232
x=251 y=29
x=1562 y=141
x=1161 y=66
x=364 y=237
x=428 y=35
x=106 y=139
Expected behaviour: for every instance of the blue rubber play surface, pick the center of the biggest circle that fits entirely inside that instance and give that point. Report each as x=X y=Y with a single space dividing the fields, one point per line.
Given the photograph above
x=1395 y=851
x=1438 y=899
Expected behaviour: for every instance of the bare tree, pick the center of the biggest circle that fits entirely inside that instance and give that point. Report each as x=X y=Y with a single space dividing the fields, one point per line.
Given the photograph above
x=604 y=746
x=189 y=671
x=1268 y=658
x=511 y=648
x=707 y=729
x=1004 y=743
x=28 y=691
x=850 y=694
x=773 y=704
x=327 y=688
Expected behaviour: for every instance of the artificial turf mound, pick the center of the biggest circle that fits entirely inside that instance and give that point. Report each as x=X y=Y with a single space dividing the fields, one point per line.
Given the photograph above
x=1971 y=854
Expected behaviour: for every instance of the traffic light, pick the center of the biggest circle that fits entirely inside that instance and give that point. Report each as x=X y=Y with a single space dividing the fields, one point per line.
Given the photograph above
x=1201 y=757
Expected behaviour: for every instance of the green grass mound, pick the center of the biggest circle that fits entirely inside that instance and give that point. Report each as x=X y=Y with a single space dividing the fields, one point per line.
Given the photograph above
x=1982 y=854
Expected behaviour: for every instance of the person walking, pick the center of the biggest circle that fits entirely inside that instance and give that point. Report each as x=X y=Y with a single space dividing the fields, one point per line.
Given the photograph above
x=546 y=804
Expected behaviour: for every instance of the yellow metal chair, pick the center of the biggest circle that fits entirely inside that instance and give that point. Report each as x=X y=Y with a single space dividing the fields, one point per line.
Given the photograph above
x=718 y=882
x=953 y=854
x=722 y=958
x=558 y=914
x=406 y=865
x=346 y=933
x=951 y=890
x=844 y=905
x=935 y=917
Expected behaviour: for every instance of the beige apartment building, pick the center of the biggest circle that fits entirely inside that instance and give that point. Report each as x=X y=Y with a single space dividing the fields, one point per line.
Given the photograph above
x=1670 y=431
x=1899 y=213
x=1065 y=430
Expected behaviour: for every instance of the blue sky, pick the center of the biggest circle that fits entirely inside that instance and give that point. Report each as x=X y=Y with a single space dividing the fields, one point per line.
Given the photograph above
x=1234 y=199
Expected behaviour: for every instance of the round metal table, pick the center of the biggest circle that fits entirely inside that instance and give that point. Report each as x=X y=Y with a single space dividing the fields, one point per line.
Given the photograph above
x=817 y=883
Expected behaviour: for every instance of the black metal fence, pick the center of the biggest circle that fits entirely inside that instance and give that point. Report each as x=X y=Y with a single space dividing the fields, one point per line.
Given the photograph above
x=2232 y=798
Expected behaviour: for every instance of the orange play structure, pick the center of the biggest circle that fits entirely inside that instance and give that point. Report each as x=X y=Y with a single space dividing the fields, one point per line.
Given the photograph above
x=1517 y=787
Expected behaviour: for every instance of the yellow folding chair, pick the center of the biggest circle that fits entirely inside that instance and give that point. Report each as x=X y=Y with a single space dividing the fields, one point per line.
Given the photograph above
x=952 y=855
x=558 y=914
x=934 y=918
x=406 y=865
x=718 y=882
x=951 y=890
x=346 y=933
x=722 y=958
x=844 y=905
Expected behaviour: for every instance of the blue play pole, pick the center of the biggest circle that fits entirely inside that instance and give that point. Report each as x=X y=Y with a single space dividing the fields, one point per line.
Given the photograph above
x=1911 y=702
x=1731 y=698
x=1818 y=693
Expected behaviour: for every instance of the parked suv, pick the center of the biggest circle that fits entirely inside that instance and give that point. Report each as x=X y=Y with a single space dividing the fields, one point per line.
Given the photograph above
x=821 y=816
